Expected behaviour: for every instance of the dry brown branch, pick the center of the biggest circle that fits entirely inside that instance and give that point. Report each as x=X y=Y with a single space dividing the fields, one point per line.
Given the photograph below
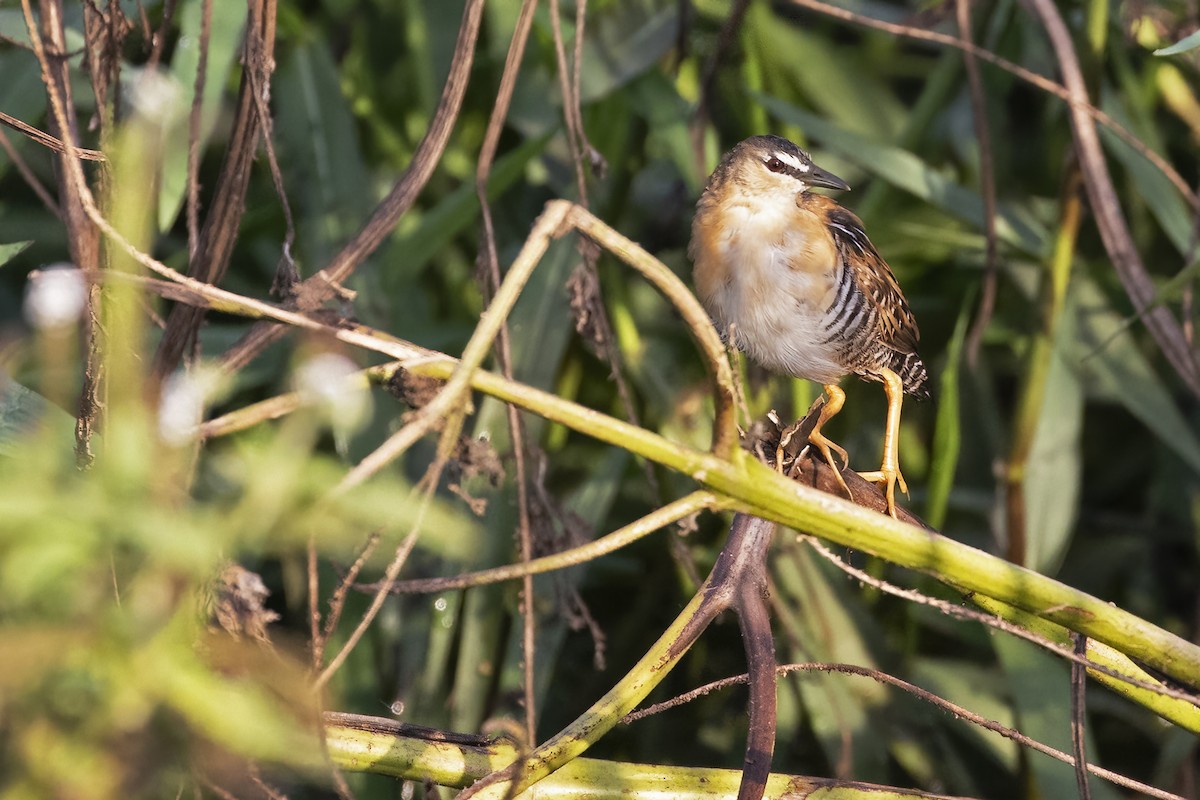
x=987 y=181
x=214 y=247
x=312 y=292
x=83 y=238
x=708 y=84
x=158 y=40
x=568 y=87
x=491 y=282
x=193 y=155
x=737 y=582
x=1106 y=207
x=46 y=140
x=1079 y=718
x=337 y=602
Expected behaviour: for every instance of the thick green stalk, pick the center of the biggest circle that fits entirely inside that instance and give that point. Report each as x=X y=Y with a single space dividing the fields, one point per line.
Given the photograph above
x=1180 y=712
x=758 y=490
x=393 y=752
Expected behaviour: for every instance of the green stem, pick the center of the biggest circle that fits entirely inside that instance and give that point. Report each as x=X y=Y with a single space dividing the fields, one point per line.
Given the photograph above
x=758 y=490
x=1182 y=713
x=364 y=744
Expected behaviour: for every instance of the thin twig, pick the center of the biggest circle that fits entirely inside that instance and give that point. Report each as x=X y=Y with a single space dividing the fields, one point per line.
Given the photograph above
x=570 y=102
x=921 y=694
x=46 y=140
x=1079 y=717
x=159 y=38
x=491 y=281
x=987 y=185
x=193 y=154
x=314 y=609
x=393 y=569
x=312 y=292
x=28 y=176
x=622 y=537
x=971 y=615
x=337 y=602
x=286 y=274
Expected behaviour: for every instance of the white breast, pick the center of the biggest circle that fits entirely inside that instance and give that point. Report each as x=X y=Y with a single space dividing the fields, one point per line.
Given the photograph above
x=775 y=312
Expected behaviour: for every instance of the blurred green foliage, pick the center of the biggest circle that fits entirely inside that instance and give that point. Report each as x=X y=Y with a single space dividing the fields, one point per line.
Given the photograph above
x=114 y=681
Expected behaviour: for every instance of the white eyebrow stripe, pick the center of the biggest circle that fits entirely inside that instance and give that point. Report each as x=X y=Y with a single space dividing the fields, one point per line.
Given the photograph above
x=791 y=161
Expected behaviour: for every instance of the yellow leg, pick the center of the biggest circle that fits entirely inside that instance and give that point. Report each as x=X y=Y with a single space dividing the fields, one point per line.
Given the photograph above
x=836 y=399
x=889 y=471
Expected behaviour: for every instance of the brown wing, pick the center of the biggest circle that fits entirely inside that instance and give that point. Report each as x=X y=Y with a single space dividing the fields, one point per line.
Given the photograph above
x=896 y=325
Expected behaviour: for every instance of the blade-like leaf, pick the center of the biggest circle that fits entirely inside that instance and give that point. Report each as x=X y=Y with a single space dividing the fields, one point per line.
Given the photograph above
x=10 y=251
x=1054 y=473
x=1182 y=46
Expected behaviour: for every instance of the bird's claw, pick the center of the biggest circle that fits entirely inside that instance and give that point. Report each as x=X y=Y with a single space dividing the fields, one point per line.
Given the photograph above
x=890 y=476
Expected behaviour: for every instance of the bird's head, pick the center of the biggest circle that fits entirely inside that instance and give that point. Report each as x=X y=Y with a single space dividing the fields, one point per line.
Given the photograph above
x=770 y=164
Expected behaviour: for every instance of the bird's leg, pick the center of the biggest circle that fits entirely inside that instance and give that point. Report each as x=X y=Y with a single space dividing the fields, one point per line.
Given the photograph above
x=889 y=471
x=836 y=398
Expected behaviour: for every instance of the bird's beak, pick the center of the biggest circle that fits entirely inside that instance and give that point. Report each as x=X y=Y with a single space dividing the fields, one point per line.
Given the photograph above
x=819 y=177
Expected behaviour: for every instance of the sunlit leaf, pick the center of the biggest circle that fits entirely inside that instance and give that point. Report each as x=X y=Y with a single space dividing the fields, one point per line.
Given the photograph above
x=1185 y=44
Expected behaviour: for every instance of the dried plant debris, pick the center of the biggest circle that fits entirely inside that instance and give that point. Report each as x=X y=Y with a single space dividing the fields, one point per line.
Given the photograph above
x=415 y=391
x=474 y=460
x=239 y=604
x=583 y=295
x=768 y=438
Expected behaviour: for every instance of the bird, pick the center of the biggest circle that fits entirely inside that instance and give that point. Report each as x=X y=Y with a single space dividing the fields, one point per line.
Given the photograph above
x=790 y=278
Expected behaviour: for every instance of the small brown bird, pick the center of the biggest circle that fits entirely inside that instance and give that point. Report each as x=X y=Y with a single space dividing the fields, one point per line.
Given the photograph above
x=791 y=279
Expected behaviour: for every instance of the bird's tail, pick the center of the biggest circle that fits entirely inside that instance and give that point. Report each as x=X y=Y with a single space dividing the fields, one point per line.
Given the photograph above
x=913 y=374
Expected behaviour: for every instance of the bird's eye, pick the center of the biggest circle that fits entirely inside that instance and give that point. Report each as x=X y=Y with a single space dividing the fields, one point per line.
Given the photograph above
x=775 y=165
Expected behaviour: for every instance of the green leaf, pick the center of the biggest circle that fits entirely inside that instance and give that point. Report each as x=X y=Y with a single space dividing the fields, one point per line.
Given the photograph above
x=1107 y=351
x=906 y=171
x=1054 y=472
x=22 y=411
x=823 y=613
x=826 y=76
x=1153 y=187
x=457 y=212
x=10 y=251
x=947 y=433
x=622 y=43
x=318 y=143
x=1182 y=46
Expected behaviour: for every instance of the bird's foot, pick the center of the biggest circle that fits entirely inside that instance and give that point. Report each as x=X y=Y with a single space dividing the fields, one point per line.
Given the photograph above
x=825 y=446
x=888 y=474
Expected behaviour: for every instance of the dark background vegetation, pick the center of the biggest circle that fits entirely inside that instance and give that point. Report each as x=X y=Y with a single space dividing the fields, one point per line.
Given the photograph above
x=1097 y=484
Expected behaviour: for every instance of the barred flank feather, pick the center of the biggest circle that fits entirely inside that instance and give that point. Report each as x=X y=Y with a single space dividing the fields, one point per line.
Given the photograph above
x=911 y=370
